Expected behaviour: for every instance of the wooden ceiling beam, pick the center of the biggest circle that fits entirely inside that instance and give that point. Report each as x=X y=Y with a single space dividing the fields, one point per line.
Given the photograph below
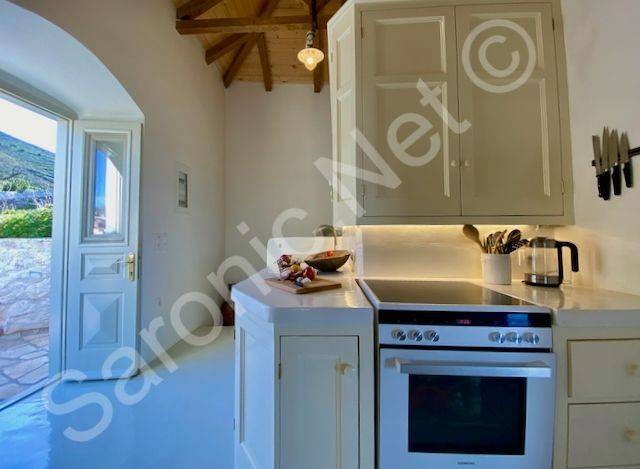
x=195 y=8
x=248 y=24
x=225 y=46
x=229 y=75
x=264 y=62
x=231 y=72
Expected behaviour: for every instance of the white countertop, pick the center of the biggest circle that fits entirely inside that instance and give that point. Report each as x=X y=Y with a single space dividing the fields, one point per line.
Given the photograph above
x=579 y=306
x=572 y=306
x=347 y=305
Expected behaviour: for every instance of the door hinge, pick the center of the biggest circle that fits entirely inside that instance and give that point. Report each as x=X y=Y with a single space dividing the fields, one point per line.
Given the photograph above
x=562 y=186
x=361 y=31
x=364 y=190
x=553 y=23
x=279 y=370
x=234 y=424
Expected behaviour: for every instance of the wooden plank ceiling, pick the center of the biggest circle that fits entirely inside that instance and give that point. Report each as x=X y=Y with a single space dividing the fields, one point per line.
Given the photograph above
x=257 y=40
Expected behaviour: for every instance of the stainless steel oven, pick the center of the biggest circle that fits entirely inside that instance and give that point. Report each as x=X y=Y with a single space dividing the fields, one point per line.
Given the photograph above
x=466 y=377
x=450 y=409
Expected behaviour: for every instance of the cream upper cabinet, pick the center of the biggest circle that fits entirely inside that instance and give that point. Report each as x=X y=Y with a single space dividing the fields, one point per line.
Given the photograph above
x=449 y=114
x=512 y=156
x=402 y=48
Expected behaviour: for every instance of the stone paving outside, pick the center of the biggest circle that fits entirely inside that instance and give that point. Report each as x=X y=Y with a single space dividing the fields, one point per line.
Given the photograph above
x=24 y=361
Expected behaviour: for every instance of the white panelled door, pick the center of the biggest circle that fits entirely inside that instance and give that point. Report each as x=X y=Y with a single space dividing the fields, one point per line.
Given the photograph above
x=102 y=301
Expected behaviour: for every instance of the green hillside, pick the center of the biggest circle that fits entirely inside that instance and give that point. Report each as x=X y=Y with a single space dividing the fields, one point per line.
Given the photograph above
x=23 y=160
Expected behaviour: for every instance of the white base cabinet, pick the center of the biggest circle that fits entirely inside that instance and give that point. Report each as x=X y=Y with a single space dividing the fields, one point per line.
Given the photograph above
x=304 y=396
x=598 y=398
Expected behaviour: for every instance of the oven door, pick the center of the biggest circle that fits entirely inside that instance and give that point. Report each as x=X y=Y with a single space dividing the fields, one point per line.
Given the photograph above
x=450 y=409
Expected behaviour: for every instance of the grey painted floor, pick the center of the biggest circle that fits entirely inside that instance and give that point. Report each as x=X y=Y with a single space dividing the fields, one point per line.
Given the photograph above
x=185 y=420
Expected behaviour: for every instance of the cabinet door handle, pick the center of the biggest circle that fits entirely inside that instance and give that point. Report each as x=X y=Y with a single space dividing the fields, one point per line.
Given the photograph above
x=632 y=369
x=344 y=368
x=630 y=434
x=454 y=163
x=467 y=164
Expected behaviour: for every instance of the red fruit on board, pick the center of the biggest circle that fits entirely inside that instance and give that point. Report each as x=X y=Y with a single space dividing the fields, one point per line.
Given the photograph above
x=310 y=273
x=285 y=259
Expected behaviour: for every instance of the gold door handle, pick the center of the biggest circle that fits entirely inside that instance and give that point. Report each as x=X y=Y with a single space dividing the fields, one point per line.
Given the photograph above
x=632 y=369
x=131 y=264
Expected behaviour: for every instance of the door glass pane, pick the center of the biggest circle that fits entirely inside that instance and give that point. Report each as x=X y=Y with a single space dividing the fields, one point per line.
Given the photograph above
x=106 y=190
x=467 y=415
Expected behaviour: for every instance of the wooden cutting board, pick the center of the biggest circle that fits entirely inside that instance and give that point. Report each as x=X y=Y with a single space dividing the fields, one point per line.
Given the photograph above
x=319 y=284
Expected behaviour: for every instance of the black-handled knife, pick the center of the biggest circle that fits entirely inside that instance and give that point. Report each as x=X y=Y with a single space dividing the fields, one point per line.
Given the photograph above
x=597 y=162
x=614 y=162
x=605 y=177
x=625 y=159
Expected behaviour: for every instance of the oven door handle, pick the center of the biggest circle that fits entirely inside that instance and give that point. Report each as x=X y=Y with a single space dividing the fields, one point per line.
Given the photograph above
x=494 y=370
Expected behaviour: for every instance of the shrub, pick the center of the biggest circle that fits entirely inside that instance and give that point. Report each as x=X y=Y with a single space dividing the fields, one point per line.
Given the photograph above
x=15 y=184
x=34 y=223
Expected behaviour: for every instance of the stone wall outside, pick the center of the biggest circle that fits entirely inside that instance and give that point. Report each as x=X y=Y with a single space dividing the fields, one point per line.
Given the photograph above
x=25 y=280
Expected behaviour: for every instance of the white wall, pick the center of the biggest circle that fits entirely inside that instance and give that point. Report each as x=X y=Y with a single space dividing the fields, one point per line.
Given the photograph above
x=183 y=104
x=272 y=140
x=31 y=45
x=604 y=89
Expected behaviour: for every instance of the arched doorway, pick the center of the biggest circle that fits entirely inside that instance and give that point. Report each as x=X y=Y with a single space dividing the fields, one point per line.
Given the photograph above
x=94 y=209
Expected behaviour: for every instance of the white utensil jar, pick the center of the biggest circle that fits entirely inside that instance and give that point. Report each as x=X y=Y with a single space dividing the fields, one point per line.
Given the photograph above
x=496 y=269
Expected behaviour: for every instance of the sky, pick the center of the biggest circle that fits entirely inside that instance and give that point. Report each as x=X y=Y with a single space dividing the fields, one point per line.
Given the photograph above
x=27 y=125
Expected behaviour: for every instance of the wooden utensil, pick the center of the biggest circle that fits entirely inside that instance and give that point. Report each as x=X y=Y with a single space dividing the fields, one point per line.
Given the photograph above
x=472 y=233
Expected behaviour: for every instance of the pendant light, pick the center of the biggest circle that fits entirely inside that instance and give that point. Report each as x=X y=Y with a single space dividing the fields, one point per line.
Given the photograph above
x=310 y=56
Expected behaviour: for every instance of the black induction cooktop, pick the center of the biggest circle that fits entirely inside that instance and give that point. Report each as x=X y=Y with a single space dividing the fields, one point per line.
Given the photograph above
x=445 y=293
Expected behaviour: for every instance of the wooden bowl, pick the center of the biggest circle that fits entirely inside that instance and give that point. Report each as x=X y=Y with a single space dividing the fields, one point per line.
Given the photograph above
x=324 y=263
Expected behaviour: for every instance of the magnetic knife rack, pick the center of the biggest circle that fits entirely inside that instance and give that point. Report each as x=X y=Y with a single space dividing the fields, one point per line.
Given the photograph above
x=632 y=152
x=613 y=172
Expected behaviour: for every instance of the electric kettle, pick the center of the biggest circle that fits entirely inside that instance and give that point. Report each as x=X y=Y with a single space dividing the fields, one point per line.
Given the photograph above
x=544 y=261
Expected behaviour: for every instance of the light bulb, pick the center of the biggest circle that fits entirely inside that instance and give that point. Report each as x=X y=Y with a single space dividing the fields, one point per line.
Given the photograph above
x=310 y=57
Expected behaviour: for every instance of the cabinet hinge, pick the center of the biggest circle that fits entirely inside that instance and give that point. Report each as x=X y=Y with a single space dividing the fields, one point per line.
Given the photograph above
x=553 y=23
x=234 y=424
x=361 y=31
x=562 y=187
x=364 y=190
x=279 y=370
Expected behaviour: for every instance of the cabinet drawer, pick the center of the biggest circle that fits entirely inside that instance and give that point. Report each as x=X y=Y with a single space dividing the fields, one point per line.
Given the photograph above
x=604 y=435
x=604 y=369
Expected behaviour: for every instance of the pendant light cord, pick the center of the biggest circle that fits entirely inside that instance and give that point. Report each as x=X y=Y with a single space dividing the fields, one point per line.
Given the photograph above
x=314 y=16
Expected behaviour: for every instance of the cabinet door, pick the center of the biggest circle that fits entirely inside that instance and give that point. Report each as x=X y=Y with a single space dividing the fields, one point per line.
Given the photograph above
x=319 y=402
x=255 y=396
x=400 y=47
x=342 y=72
x=508 y=92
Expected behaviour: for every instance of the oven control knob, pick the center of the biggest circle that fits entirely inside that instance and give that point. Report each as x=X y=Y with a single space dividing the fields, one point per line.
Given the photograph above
x=399 y=334
x=432 y=336
x=415 y=335
x=497 y=337
x=531 y=338
x=514 y=338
